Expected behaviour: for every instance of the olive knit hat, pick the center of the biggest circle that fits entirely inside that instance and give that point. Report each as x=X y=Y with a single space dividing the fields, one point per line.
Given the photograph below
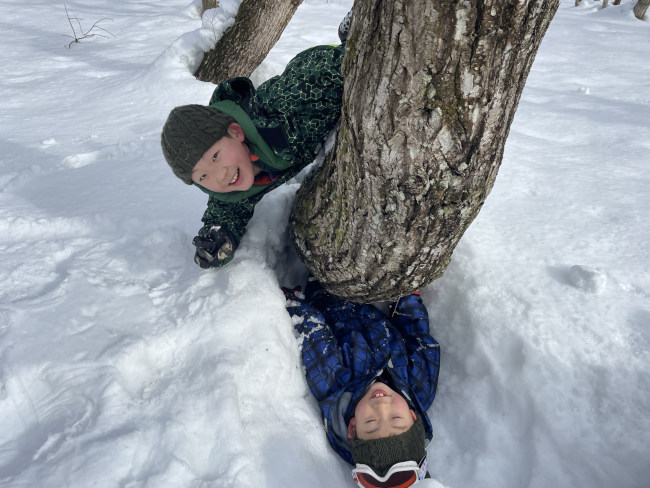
x=381 y=454
x=189 y=132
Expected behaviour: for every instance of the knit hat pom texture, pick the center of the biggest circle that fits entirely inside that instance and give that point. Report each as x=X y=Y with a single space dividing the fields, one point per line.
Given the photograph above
x=381 y=454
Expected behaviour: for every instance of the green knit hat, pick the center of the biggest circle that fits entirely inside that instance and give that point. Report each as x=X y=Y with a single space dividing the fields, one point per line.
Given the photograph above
x=381 y=454
x=191 y=130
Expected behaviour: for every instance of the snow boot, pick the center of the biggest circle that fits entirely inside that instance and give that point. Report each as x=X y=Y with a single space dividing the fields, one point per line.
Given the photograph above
x=344 y=26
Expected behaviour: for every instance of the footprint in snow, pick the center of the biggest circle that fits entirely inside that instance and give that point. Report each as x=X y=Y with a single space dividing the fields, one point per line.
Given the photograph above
x=586 y=278
x=77 y=161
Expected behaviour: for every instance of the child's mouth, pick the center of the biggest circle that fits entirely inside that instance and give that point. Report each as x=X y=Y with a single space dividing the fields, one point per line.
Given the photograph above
x=378 y=394
x=234 y=177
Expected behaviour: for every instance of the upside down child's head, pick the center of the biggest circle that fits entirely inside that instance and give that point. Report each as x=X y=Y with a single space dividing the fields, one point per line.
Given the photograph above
x=381 y=412
x=207 y=148
x=385 y=431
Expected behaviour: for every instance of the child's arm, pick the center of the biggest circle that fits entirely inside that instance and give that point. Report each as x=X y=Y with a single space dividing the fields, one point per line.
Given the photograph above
x=320 y=353
x=222 y=222
x=410 y=317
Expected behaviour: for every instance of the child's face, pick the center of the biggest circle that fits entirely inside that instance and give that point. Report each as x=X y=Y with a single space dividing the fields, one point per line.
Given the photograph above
x=381 y=412
x=226 y=166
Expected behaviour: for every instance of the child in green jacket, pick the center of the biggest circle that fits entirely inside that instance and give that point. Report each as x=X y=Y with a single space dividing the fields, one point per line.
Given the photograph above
x=249 y=141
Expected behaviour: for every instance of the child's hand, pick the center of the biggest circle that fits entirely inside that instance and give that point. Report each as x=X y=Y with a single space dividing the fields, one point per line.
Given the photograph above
x=214 y=249
x=294 y=293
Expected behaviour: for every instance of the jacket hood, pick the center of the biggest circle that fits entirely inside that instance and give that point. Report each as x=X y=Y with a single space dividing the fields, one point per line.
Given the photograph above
x=258 y=146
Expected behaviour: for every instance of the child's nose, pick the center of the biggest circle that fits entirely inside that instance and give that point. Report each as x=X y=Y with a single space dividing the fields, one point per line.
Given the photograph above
x=384 y=406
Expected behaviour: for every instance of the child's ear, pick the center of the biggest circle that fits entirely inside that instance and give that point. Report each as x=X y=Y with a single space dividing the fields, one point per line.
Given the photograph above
x=235 y=130
x=415 y=417
x=352 y=428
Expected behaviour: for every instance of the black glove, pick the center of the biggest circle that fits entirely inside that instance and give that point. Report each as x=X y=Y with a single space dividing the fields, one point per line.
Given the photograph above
x=215 y=249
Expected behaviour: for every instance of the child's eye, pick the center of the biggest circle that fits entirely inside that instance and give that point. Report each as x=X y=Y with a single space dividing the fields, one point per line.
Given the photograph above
x=214 y=157
x=201 y=178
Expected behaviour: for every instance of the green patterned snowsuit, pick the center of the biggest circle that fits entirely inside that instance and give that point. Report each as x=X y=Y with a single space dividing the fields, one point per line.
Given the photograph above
x=284 y=120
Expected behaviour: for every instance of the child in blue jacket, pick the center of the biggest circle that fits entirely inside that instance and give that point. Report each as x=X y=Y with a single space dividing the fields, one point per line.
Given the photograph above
x=374 y=377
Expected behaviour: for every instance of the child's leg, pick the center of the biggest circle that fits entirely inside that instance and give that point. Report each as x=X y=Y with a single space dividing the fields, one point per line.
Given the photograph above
x=344 y=26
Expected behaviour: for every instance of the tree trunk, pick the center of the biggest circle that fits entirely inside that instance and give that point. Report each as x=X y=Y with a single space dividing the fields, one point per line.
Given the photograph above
x=605 y=3
x=431 y=88
x=577 y=2
x=246 y=43
x=640 y=8
x=617 y=2
x=208 y=4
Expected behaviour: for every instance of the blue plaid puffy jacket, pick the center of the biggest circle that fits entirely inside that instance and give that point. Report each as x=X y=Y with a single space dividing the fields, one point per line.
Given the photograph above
x=346 y=345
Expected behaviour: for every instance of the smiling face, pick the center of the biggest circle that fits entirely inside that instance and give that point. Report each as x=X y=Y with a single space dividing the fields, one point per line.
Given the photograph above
x=380 y=412
x=226 y=166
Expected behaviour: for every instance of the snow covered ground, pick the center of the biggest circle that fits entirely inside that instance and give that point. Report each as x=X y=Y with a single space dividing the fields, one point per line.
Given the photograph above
x=122 y=364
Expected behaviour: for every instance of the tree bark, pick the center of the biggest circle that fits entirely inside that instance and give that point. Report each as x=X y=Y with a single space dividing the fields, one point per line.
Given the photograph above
x=640 y=8
x=208 y=4
x=577 y=2
x=605 y=3
x=431 y=88
x=246 y=43
x=617 y=2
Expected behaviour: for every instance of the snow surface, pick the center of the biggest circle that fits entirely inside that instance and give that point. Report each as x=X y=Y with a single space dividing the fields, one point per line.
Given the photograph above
x=122 y=364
